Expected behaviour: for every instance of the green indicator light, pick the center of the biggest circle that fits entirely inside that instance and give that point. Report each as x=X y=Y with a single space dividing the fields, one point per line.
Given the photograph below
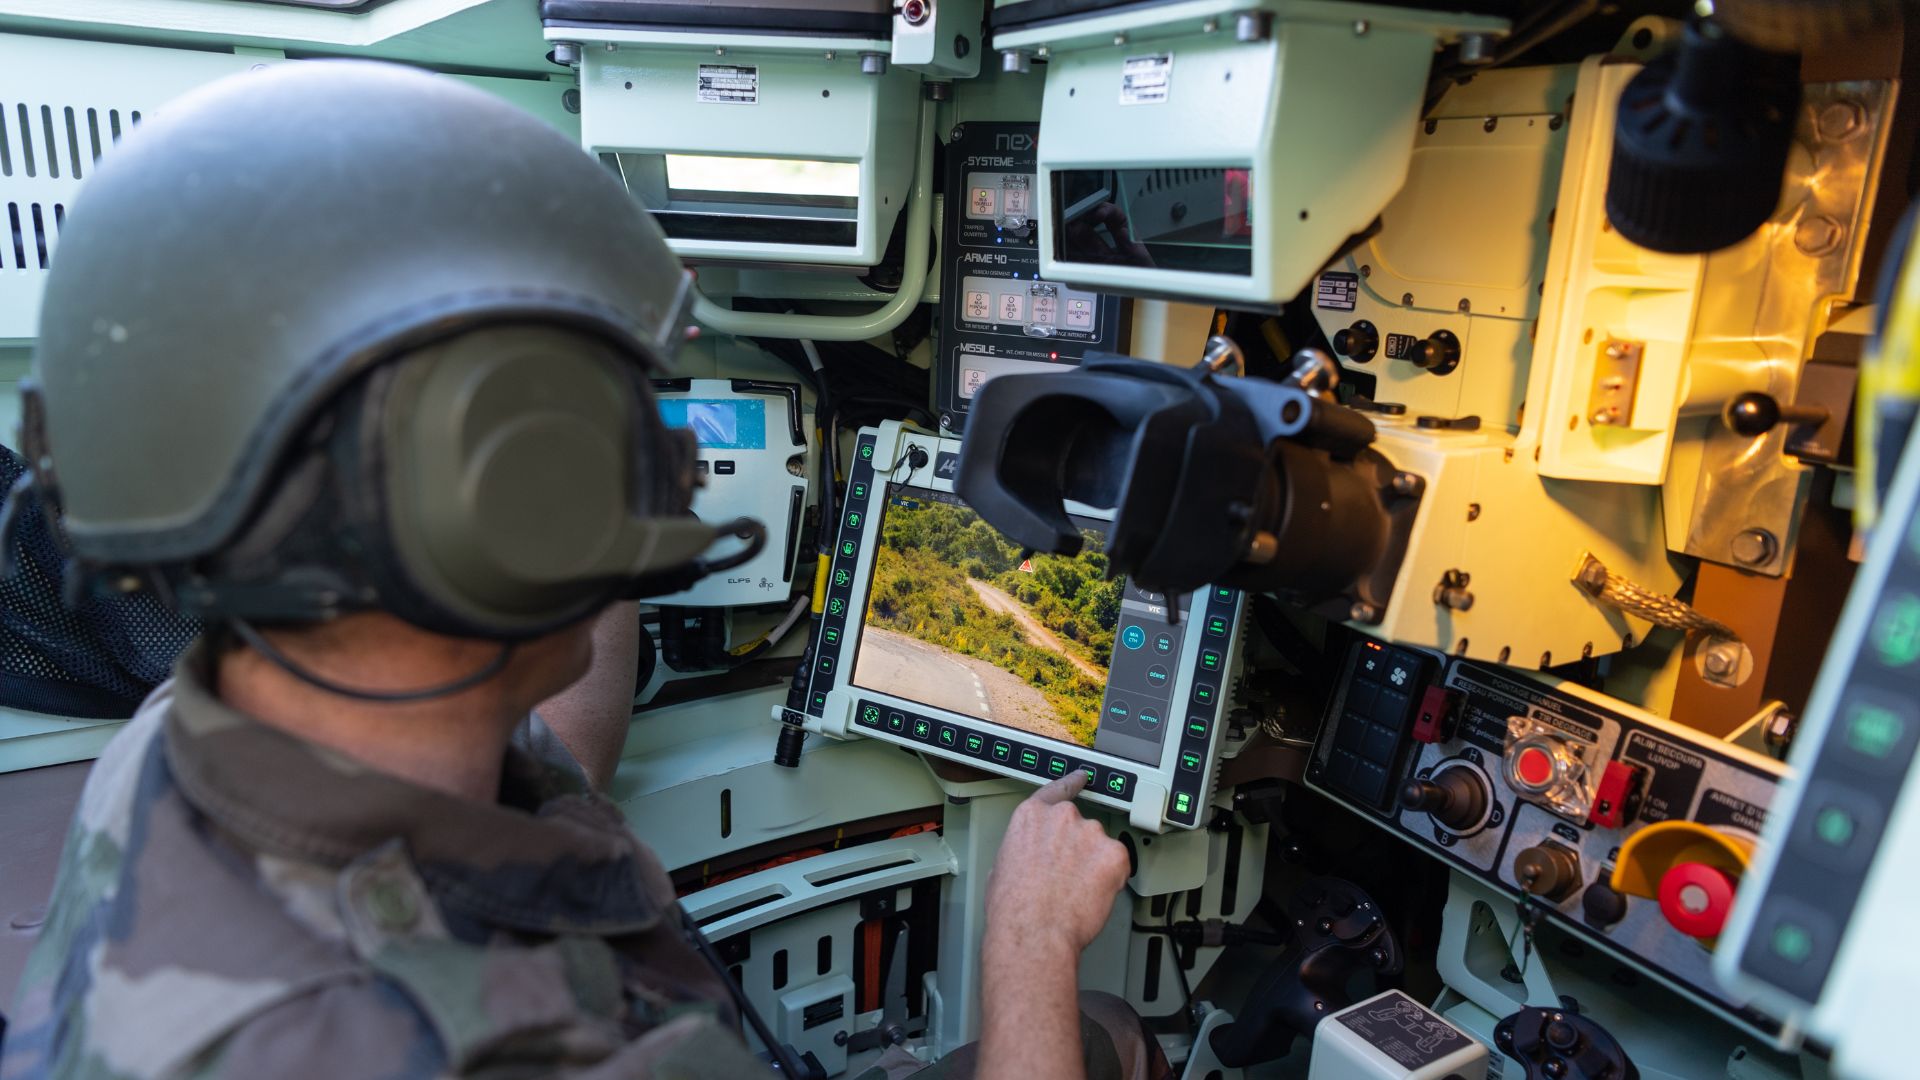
x=1203 y=694
x=1091 y=773
x=1210 y=661
x=870 y=714
x=896 y=721
x=1872 y=730
x=1182 y=803
x=832 y=636
x=1189 y=760
x=1056 y=767
x=973 y=743
x=836 y=606
x=1197 y=728
x=819 y=700
x=1833 y=826
x=920 y=729
x=946 y=736
x=866 y=452
x=853 y=520
x=1001 y=751
x=1116 y=783
x=841 y=577
x=1028 y=759
x=1896 y=631
x=1222 y=593
x=1216 y=626
x=847 y=548
x=1791 y=943
x=859 y=491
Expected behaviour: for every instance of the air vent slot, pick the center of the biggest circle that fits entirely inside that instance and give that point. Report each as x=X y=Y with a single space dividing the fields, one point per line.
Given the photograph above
x=31 y=231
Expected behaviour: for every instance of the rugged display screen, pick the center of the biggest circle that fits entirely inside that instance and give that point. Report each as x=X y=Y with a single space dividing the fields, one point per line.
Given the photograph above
x=957 y=620
x=1198 y=220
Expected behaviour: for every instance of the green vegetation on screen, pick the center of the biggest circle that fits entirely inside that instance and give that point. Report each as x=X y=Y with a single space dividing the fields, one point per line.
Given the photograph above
x=920 y=589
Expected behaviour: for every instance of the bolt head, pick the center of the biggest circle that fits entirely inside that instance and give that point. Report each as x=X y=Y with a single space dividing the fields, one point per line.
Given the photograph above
x=1839 y=120
x=1360 y=27
x=1818 y=235
x=1754 y=547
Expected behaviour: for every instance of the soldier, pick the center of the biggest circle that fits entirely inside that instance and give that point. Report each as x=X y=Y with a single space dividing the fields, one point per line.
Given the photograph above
x=352 y=363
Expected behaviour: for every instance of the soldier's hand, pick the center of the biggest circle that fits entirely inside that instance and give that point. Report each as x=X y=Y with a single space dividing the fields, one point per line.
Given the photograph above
x=1054 y=882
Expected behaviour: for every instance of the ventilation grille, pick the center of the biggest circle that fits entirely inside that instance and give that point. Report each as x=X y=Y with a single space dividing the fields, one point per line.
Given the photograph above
x=48 y=143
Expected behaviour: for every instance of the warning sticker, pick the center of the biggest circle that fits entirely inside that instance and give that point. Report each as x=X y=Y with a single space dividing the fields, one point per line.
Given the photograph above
x=1336 y=291
x=1146 y=80
x=728 y=84
x=1403 y=1029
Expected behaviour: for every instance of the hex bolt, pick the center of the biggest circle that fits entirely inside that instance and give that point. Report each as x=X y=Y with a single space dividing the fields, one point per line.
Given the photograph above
x=1717 y=661
x=873 y=63
x=1818 y=235
x=565 y=53
x=1840 y=120
x=1755 y=547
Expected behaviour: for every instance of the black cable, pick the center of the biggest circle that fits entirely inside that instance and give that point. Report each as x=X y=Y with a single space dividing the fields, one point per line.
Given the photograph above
x=258 y=643
x=782 y=1054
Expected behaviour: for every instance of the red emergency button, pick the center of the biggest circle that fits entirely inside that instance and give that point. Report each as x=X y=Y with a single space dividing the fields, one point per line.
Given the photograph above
x=1696 y=898
x=1533 y=766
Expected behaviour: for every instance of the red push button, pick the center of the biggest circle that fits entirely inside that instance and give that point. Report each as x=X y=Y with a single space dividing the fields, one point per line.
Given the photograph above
x=1533 y=766
x=1696 y=898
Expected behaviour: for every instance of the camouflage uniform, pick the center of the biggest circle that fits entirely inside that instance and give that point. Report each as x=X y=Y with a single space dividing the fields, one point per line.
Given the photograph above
x=234 y=901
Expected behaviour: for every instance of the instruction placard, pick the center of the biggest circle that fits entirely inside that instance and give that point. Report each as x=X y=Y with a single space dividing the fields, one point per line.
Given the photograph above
x=1146 y=80
x=728 y=84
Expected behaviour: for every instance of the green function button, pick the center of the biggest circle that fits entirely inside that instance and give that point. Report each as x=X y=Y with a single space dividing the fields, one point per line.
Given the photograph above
x=922 y=729
x=1203 y=694
x=1216 y=626
x=1873 y=731
x=948 y=736
x=826 y=665
x=1001 y=751
x=1209 y=660
x=836 y=606
x=1222 y=594
x=866 y=451
x=1196 y=727
x=1834 y=826
x=1896 y=630
x=1056 y=766
x=854 y=519
x=1791 y=942
x=896 y=721
x=831 y=635
x=974 y=742
x=819 y=700
x=1029 y=758
x=1117 y=784
x=1189 y=761
x=847 y=548
x=1182 y=803
x=841 y=577
x=859 y=491
x=870 y=715
x=1092 y=774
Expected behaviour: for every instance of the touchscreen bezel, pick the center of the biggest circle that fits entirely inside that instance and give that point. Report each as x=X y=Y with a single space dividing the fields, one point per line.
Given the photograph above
x=884 y=456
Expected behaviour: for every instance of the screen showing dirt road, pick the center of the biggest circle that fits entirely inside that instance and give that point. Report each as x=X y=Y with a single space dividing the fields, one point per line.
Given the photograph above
x=956 y=619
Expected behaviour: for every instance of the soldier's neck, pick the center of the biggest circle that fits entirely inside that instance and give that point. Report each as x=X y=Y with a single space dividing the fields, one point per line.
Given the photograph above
x=454 y=744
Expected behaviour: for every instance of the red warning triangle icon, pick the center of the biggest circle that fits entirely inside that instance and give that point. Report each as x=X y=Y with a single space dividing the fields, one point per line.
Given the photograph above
x=1026 y=566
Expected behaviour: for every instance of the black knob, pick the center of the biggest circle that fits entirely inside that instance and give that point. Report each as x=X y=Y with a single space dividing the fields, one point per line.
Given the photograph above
x=1602 y=905
x=1548 y=871
x=1755 y=413
x=1438 y=353
x=1700 y=143
x=1456 y=797
x=1561 y=1035
x=1358 y=342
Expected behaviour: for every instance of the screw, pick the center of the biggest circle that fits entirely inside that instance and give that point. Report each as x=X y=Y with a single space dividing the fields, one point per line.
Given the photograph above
x=1119 y=39
x=1360 y=27
x=570 y=101
x=1476 y=48
x=1490 y=123
x=1818 y=235
x=1755 y=547
x=1839 y=120
x=1043 y=52
x=1465 y=306
x=1406 y=483
x=1406 y=299
x=1253 y=26
x=1211 y=26
x=565 y=53
x=719 y=52
x=831 y=55
x=1719 y=661
x=1361 y=611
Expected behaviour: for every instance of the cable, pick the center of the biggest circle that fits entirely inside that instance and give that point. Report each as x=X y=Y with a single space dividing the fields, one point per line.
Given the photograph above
x=782 y=1054
x=258 y=643
x=772 y=637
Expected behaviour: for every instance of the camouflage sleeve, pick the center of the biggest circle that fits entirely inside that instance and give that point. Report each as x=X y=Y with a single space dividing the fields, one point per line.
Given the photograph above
x=371 y=1029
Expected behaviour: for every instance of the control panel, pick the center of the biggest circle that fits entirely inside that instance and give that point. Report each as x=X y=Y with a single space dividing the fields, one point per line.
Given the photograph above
x=1032 y=667
x=997 y=314
x=1629 y=830
x=1822 y=930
